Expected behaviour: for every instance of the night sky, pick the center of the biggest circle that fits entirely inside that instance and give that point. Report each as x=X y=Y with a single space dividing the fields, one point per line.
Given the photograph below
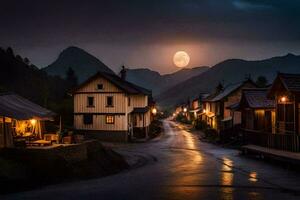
x=147 y=33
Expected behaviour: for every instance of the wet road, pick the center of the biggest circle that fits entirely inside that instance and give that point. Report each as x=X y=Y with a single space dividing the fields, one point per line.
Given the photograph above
x=179 y=166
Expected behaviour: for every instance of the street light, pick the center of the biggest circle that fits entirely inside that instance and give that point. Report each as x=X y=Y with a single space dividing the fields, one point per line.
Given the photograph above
x=185 y=109
x=154 y=111
x=283 y=99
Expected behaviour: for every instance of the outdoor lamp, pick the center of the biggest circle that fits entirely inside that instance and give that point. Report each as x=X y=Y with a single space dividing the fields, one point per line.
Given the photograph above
x=185 y=109
x=283 y=99
x=33 y=121
x=154 y=111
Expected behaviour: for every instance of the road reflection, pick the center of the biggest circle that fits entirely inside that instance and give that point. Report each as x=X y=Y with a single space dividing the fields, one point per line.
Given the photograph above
x=226 y=179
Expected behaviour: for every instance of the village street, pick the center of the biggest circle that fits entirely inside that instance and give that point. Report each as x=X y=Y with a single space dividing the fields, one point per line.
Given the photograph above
x=179 y=166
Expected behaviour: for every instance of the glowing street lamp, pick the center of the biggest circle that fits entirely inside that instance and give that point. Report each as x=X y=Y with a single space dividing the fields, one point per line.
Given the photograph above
x=154 y=111
x=185 y=110
x=283 y=99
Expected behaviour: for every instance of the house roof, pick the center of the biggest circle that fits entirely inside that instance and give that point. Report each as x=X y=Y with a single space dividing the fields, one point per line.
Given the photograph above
x=287 y=82
x=228 y=90
x=140 y=110
x=256 y=98
x=290 y=81
x=17 y=107
x=117 y=81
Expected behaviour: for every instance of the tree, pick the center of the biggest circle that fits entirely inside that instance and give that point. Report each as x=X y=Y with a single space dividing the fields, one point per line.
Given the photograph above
x=26 y=61
x=19 y=58
x=261 y=81
x=10 y=51
x=71 y=77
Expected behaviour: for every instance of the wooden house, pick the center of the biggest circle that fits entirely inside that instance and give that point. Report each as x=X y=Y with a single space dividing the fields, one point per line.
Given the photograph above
x=196 y=107
x=107 y=107
x=217 y=112
x=285 y=90
x=258 y=112
x=21 y=120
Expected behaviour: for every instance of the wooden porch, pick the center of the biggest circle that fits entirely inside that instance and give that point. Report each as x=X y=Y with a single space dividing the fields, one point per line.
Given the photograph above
x=285 y=142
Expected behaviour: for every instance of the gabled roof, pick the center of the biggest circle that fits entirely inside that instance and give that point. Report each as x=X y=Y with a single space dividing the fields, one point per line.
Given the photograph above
x=256 y=98
x=229 y=90
x=17 y=107
x=118 y=82
x=291 y=82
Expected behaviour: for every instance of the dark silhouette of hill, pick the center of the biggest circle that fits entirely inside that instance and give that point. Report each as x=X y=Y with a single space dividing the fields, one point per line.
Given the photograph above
x=228 y=71
x=83 y=64
x=156 y=82
x=19 y=76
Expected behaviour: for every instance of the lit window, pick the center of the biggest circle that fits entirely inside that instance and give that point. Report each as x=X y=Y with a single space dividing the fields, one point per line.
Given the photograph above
x=109 y=101
x=110 y=119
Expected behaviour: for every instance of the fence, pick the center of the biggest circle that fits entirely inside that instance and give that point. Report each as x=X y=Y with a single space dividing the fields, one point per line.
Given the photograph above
x=286 y=142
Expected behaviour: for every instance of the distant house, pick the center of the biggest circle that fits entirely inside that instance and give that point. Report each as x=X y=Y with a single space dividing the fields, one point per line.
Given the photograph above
x=109 y=108
x=21 y=119
x=196 y=107
x=258 y=112
x=217 y=112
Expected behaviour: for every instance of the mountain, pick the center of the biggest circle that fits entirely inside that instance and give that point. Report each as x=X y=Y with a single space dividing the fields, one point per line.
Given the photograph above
x=158 y=83
x=228 y=71
x=83 y=63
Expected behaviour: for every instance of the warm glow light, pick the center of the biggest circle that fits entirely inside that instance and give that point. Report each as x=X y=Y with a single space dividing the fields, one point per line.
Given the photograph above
x=204 y=111
x=283 y=99
x=174 y=114
x=33 y=121
x=154 y=111
x=185 y=109
x=181 y=59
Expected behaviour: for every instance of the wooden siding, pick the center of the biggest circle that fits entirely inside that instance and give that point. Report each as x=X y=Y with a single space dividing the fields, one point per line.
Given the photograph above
x=234 y=98
x=99 y=123
x=92 y=86
x=119 y=103
x=137 y=101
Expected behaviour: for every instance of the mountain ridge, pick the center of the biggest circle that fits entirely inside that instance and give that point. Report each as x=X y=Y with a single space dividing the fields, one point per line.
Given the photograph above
x=229 y=71
x=83 y=63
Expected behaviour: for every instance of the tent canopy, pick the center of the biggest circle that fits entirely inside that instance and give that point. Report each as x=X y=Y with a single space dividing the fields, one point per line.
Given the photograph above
x=17 y=107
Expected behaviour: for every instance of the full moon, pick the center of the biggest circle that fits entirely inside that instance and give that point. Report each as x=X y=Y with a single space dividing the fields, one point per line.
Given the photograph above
x=181 y=59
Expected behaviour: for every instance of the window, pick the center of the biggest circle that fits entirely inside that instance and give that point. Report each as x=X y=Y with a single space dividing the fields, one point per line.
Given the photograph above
x=110 y=119
x=88 y=119
x=109 y=102
x=100 y=86
x=90 y=101
x=129 y=101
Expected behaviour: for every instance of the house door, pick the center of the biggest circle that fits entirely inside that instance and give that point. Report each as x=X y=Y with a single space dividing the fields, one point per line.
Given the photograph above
x=273 y=119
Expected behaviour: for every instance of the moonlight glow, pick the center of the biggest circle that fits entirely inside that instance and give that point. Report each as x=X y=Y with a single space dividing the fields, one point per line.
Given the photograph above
x=181 y=59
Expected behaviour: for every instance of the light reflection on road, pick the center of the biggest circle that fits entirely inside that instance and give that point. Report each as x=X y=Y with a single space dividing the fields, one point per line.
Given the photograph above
x=227 y=176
